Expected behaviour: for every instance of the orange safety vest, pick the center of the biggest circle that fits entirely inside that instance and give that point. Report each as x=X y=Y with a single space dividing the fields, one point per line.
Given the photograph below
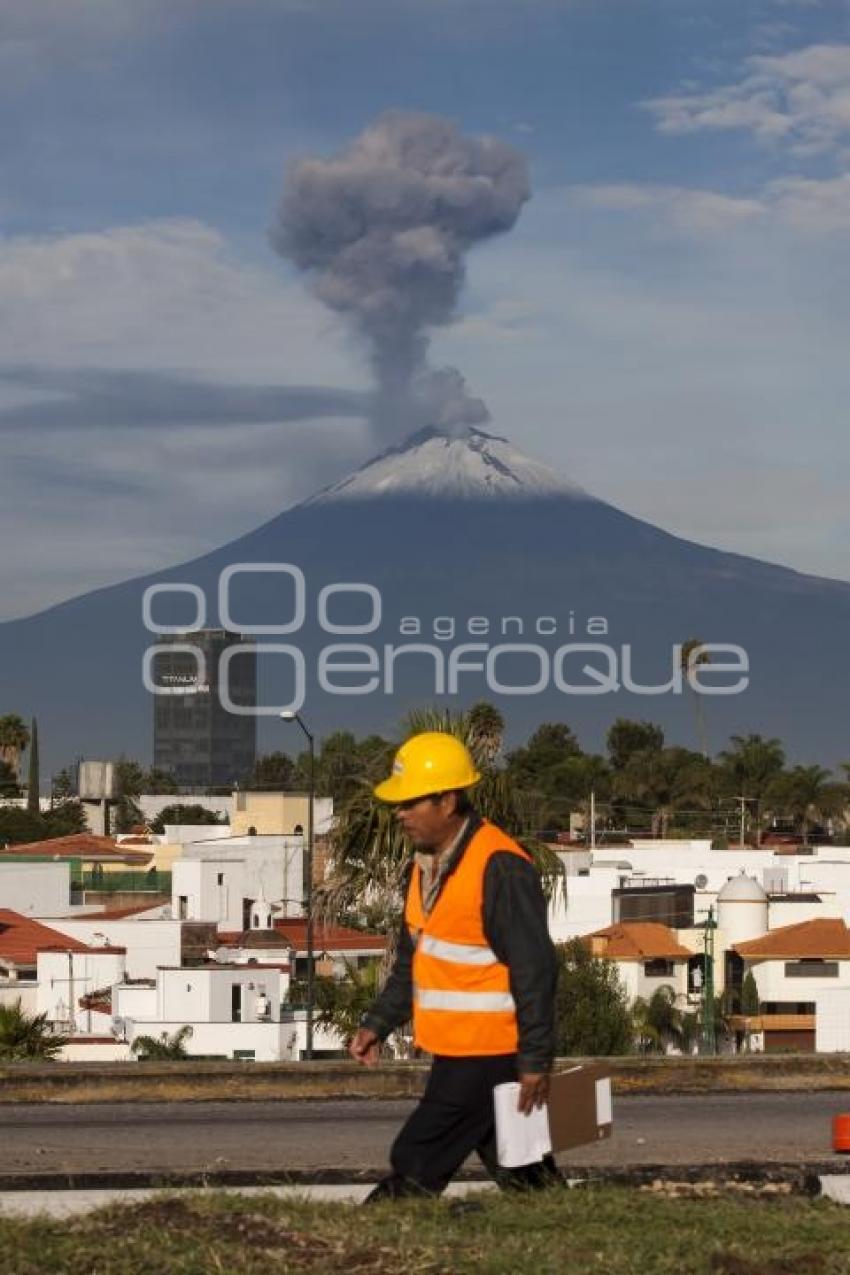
x=462 y=1002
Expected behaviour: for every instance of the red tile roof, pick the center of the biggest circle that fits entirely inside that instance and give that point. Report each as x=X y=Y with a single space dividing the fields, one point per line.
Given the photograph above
x=636 y=941
x=329 y=938
x=823 y=937
x=118 y=914
x=79 y=845
x=21 y=938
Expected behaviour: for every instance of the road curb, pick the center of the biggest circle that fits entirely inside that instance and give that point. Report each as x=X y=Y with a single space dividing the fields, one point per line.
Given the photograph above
x=804 y=1179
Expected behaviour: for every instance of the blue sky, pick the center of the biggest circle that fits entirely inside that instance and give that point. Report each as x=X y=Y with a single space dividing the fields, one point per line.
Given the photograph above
x=667 y=323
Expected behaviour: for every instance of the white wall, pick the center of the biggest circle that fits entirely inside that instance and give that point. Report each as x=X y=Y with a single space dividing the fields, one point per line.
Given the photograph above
x=206 y=898
x=35 y=889
x=149 y=944
x=587 y=907
x=63 y=977
x=774 y=986
x=273 y=865
x=12 y=990
x=832 y=1024
x=95 y=1051
x=133 y=1001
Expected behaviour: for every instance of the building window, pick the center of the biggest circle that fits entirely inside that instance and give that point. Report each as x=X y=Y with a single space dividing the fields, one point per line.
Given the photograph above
x=183 y=907
x=236 y=1003
x=658 y=968
x=811 y=969
x=220 y=878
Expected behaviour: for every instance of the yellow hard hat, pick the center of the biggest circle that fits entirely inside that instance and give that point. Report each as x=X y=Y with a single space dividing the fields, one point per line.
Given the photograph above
x=428 y=763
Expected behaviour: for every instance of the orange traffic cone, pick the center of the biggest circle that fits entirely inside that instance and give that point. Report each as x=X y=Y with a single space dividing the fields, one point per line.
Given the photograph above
x=841 y=1133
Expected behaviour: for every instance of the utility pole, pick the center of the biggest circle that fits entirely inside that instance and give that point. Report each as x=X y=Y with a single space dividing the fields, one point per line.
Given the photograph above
x=743 y=801
x=709 y=1036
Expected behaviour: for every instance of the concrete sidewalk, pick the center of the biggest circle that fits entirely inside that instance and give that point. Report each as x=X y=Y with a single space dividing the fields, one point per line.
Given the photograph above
x=64 y=1204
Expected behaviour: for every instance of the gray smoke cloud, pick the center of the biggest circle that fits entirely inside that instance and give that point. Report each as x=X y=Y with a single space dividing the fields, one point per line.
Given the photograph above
x=382 y=230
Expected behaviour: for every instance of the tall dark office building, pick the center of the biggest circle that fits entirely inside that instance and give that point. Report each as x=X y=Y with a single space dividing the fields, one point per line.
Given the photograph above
x=196 y=739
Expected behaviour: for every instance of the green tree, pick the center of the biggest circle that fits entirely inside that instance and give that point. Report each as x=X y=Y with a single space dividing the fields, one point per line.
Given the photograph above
x=26 y=1036
x=130 y=783
x=164 y=1046
x=14 y=739
x=749 y=994
x=749 y=768
x=159 y=781
x=181 y=813
x=542 y=769
x=626 y=738
x=18 y=827
x=34 y=781
x=591 y=1010
x=274 y=771
x=63 y=785
x=665 y=780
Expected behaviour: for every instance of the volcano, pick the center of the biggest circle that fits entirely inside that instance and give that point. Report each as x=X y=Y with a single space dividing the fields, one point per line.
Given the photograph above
x=457 y=539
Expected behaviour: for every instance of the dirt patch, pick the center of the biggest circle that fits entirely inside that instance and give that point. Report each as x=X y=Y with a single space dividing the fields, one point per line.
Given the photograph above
x=802 y=1264
x=301 y=1249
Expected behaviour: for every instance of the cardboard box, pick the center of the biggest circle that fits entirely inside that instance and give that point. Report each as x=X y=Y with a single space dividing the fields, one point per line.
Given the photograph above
x=580 y=1106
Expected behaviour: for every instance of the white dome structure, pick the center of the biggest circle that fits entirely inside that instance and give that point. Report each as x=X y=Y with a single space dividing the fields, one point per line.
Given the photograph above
x=742 y=909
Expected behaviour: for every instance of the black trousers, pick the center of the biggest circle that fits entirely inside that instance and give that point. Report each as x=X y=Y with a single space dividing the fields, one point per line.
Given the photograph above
x=454 y=1118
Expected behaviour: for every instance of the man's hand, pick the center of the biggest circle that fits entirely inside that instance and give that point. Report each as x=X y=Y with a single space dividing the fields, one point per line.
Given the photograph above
x=533 y=1091
x=365 y=1047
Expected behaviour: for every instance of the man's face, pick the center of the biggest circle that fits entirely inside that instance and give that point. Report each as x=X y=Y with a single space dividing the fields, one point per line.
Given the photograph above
x=428 y=823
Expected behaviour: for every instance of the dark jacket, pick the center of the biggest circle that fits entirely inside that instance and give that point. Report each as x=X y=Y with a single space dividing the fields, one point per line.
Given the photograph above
x=516 y=928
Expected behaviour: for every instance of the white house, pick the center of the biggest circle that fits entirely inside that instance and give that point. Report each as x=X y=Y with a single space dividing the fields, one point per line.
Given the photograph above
x=796 y=968
x=234 y=1011
x=647 y=955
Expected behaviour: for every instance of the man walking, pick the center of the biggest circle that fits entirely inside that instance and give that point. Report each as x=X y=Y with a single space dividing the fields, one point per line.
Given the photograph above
x=475 y=969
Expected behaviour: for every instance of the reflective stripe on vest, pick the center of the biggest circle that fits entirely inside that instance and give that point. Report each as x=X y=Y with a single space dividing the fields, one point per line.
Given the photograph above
x=462 y=1002
x=481 y=1002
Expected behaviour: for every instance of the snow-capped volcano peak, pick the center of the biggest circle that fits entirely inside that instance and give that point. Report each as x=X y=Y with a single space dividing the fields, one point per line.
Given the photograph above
x=466 y=464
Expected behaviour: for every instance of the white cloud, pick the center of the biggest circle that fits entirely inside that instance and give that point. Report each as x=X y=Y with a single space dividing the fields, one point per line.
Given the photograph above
x=801 y=97
x=165 y=295
x=688 y=211
x=803 y=205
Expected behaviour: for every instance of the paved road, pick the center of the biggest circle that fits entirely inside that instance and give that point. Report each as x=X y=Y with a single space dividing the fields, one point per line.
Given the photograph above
x=355 y=1135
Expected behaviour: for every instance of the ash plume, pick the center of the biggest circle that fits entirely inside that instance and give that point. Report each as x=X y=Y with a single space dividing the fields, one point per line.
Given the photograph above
x=382 y=230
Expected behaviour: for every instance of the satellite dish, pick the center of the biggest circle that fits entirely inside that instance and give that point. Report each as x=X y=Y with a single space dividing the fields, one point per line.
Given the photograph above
x=701 y=881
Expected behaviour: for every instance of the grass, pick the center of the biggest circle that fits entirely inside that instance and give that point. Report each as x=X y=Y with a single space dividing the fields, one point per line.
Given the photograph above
x=601 y=1230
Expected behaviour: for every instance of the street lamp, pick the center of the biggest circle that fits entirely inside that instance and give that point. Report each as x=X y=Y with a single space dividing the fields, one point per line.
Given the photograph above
x=290 y=716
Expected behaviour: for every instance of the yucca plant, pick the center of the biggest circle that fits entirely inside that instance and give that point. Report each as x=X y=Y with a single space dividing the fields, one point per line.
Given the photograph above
x=26 y=1036
x=164 y=1046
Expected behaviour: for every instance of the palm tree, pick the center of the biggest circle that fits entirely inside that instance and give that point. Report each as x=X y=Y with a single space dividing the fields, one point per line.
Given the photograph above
x=164 y=1046
x=808 y=793
x=14 y=739
x=370 y=856
x=487 y=730
x=692 y=655
x=752 y=765
x=26 y=1036
x=341 y=1002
